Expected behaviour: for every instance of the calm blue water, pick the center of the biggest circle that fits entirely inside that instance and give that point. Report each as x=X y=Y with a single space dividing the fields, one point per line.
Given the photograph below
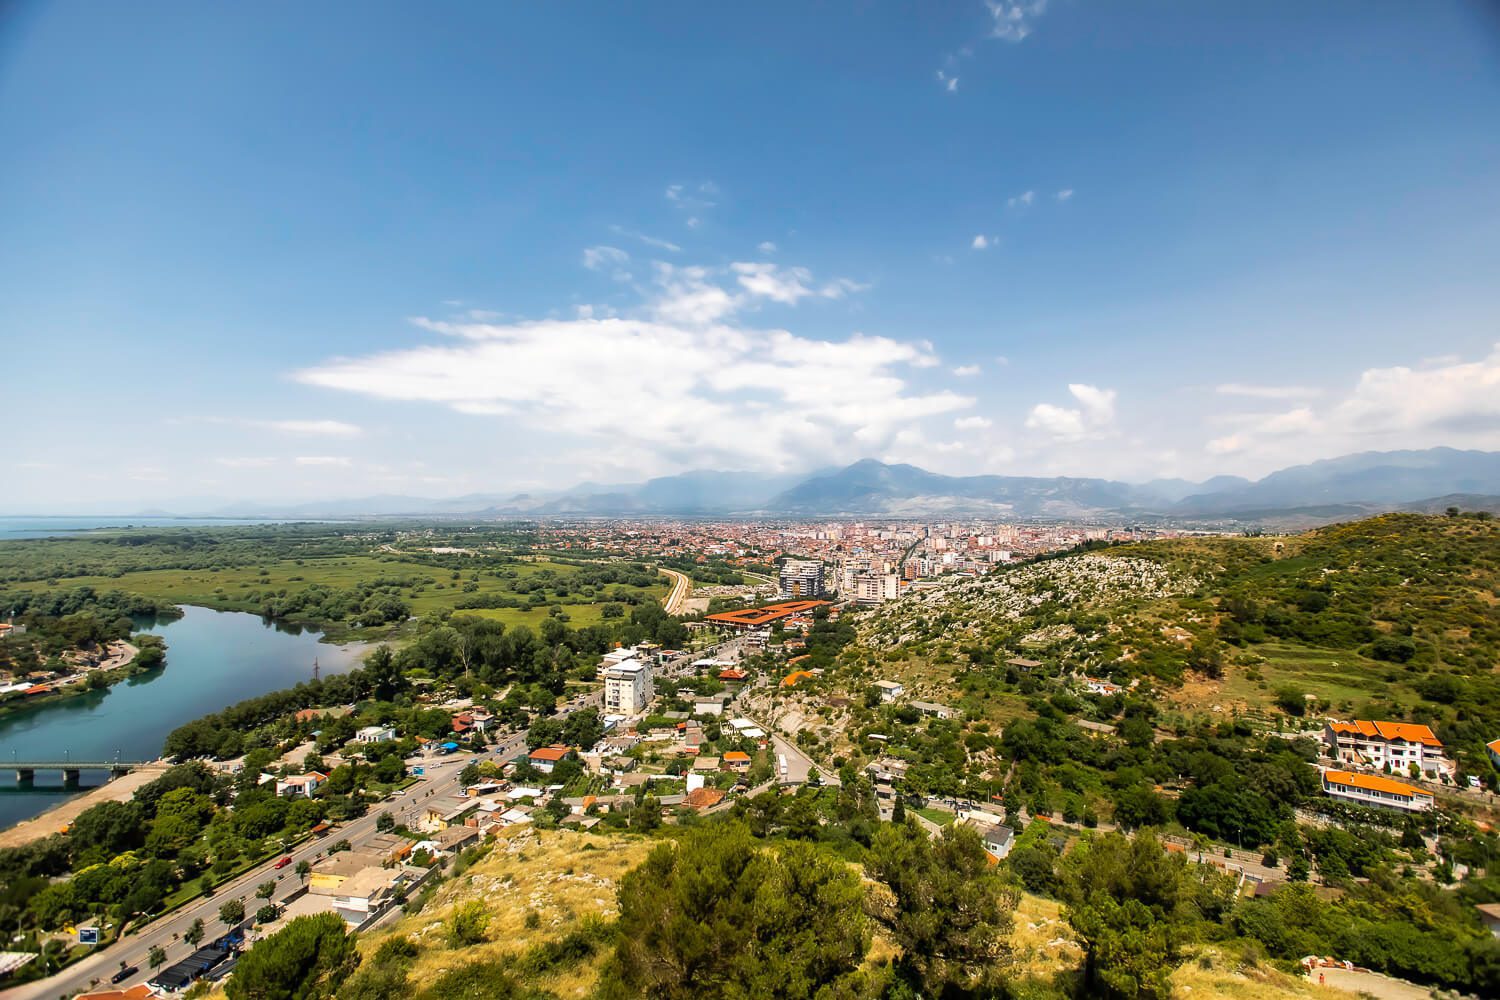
x=47 y=527
x=214 y=659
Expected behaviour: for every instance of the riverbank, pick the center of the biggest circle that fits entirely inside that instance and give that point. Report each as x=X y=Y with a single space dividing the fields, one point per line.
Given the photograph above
x=119 y=665
x=216 y=659
x=64 y=813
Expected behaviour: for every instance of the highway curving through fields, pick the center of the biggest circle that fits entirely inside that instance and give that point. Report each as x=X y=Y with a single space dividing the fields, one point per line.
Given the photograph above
x=682 y=589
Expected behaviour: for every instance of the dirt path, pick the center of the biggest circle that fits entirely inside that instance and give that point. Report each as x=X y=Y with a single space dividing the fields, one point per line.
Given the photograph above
x=1371 y=984
x=62 y=814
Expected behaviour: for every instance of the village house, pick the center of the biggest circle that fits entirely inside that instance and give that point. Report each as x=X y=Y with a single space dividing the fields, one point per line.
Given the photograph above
x=1490 y=914
x=301 y=786
x=375 y=734
x=736 y=760
x=329 y=874
x=997 y=839
x=703 y=798
x=1398 y=745
x=545 y=759
x=456 y=838
x=1375 y=790
x=889 y=690
x=933 y=709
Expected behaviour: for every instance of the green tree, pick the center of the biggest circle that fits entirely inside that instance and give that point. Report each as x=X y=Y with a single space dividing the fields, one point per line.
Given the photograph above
x=304 y=869
x=950 y=911
x=717 y=915
x=265 y=890
x=231 y=912
x=307 y=958
x=385 y=822
x=156 y=956
x=194 y=933
x=467 y=924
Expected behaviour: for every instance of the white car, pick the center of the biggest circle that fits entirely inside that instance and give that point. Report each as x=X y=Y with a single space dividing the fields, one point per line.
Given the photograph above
x=1473 y=781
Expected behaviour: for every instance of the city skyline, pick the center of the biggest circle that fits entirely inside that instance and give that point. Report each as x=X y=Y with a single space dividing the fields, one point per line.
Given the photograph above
x=282 y=255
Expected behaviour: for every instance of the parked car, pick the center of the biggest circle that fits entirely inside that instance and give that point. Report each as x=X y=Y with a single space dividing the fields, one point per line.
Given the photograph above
x=286 y=860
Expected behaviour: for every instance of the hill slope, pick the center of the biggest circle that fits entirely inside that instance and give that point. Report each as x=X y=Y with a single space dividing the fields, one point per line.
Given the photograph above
x=1396 y=615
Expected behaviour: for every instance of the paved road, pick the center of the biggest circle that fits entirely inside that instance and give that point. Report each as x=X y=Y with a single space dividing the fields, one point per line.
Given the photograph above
x=682 y=586
x=440 y=779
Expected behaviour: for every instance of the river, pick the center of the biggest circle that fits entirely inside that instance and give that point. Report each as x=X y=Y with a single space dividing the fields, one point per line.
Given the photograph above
x=214 y=658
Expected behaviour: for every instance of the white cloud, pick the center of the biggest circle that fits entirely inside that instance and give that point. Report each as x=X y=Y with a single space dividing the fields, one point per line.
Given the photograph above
x=975 y=423
x=966 y=371
x=1022 y=200
x=1064 y=194
x=950 y=83
x=692 y=202
x=1456 y=403
x=1001 y=359
x=320 y=460
x=601 y=258
x=1267 y=391
x=313 y=428
x=1012 y=19
x=766 y=246
x=787 y=285
x=980 y=242
x=720 y=391
x=650 y=241
x=245 y=462
x=1092 y=417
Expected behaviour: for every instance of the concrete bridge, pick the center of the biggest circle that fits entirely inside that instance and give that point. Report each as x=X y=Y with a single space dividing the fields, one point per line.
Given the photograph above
x=26 y=769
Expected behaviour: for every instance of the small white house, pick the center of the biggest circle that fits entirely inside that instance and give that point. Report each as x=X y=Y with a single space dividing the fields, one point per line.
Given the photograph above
x=375 y=734
x=890 y=690
x=301 y=786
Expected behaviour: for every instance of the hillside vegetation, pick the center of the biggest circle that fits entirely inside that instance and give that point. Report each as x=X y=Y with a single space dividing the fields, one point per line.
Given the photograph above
x=1394 y=616
x=556 y=915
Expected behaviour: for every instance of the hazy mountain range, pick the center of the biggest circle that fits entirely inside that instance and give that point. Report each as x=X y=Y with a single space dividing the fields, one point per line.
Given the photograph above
x=1349 y=486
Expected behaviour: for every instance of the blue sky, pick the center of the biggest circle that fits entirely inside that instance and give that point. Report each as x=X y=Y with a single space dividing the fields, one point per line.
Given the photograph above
x=283 y=252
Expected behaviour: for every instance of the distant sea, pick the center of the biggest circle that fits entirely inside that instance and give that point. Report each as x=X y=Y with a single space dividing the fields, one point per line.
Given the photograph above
x=47 y=527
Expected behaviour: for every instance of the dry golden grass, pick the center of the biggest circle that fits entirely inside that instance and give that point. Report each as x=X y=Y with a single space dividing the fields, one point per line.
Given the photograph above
x=551 y=873
x=1043 y=943
x=1227 y=976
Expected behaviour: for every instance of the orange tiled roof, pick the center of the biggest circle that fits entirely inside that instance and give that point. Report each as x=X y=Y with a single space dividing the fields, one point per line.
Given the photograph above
x=702 y=798
x=753 y=617
x=791 y=679
x=550 y=753
x=1410 y=732
x=736 y=756
x=1371 y=783
x=1494 y=746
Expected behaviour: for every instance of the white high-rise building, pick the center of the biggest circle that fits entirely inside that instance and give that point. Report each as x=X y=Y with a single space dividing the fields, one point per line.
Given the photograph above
x=876 y=588
x=627 y=688
x=801 y=578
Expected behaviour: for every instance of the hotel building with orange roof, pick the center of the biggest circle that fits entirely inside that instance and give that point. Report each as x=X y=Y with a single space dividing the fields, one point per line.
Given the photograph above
x=1375 y=790
x=1363 y=743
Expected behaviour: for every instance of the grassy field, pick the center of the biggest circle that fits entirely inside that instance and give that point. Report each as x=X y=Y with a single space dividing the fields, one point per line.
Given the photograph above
x=428 y=589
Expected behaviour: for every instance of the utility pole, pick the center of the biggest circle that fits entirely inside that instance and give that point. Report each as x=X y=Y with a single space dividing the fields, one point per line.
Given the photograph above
x=315 y=668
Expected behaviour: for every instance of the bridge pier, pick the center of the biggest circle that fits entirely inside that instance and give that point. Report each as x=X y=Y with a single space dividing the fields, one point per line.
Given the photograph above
x=25 y=775
x=70 y=777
